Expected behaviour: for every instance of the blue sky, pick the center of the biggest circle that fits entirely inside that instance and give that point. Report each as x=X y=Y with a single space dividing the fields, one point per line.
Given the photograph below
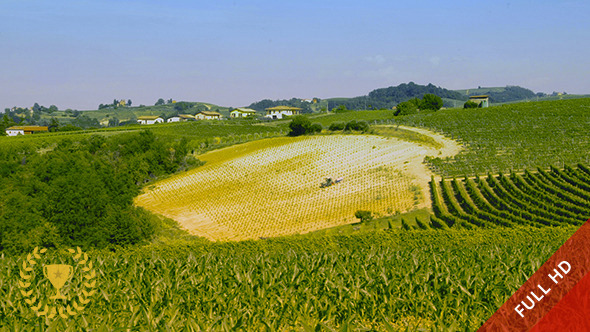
x=78 y=54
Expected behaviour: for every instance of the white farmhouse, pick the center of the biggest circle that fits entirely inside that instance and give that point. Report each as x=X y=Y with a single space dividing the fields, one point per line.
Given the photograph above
x=207 y=115
x=242 y=113
x=25 y=130
x=149 y=119
x=278 y=112
x=12 y=131
x=181 y=118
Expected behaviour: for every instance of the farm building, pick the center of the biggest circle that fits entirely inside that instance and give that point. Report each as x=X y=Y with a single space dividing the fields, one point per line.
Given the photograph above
x=482 y=100
x=207 y=115
x=278 y=112
x=181 y=118
x=149 y=119
x=242 y=113
x=25 y=130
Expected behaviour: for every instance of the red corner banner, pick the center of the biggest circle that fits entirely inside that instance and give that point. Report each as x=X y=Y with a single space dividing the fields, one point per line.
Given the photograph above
x=556 y=297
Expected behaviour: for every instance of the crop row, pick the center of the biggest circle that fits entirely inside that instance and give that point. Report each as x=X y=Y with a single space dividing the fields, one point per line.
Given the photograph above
x=375 y=280
x=543 y=198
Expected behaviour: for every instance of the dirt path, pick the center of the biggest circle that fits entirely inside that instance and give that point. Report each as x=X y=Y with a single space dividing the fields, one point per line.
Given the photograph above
x=418 y=169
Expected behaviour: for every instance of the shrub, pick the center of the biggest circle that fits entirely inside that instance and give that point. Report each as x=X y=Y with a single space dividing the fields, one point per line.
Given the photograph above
x=337 y=126
x=358 y=126
x=407 y=107
x=363 y=215
x=315 y=128
x=470 y=104
x=299 y=125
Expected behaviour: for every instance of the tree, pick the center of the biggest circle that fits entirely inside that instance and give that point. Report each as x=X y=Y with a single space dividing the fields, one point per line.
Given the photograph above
x=113 y=122
x=470 y=104
x=7 y=122
x=299 y=125
x=54 y=126
x=52 y=109
x=363 y=215
x=160 y=102
x=406 y=108
x=431 y=102
x=128 y=102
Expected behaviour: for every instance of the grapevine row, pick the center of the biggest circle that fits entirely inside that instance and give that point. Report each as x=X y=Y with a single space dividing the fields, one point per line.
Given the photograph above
x=545 y=198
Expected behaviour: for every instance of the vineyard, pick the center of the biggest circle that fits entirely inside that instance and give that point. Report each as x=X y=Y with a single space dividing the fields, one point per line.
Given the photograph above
x=271 y=187
x=510 y=137
x=542 y=198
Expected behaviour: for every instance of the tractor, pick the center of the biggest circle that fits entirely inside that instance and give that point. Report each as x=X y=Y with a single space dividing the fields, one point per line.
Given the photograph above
x=330 y=182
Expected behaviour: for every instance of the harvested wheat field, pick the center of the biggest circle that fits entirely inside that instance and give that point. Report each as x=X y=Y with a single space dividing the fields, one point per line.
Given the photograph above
x=271 y=187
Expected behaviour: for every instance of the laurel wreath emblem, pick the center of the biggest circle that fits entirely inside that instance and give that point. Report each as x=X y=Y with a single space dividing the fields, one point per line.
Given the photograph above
x=51 y=311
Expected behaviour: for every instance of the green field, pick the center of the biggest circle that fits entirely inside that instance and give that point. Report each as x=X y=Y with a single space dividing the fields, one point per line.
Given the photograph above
x=385 y=280
x=500 y=208
x=511 y=137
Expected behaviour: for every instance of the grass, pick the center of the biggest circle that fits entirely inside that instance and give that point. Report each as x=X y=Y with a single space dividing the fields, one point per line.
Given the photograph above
x=406 y=135
x=393 y=220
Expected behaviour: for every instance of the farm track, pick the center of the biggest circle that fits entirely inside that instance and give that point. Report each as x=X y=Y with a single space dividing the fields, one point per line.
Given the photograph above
x=271 y=188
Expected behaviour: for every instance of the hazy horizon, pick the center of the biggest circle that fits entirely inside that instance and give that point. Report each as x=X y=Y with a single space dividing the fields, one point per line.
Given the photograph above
x=79 y=54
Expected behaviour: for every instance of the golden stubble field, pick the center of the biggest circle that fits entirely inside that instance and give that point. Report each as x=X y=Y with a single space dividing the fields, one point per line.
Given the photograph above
x=271 y=187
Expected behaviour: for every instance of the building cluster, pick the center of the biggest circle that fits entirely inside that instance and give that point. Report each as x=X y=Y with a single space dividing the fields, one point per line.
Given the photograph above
x=277 y=112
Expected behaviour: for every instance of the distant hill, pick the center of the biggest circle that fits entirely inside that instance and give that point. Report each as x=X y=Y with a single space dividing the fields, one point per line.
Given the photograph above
x=306 y=106
x=384 y=98
x=502 y=94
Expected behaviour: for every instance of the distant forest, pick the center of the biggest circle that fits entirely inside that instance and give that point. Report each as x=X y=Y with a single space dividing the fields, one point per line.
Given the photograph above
x=511 y=93
x=387 y=98
x=293 y=102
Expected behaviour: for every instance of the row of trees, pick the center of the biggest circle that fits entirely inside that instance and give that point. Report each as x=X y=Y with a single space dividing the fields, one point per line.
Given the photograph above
x=301 y=125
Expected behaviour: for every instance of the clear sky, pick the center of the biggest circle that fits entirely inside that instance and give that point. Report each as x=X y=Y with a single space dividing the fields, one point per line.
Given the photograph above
x=77 y=54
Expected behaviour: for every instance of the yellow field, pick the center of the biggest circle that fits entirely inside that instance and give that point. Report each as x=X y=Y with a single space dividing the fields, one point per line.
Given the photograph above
x=271 y=187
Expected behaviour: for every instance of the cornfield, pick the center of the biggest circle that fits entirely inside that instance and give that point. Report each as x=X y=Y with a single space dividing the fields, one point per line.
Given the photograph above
x=421 y=279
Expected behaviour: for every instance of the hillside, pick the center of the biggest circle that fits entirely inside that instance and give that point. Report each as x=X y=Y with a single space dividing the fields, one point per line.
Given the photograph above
x=481 y=240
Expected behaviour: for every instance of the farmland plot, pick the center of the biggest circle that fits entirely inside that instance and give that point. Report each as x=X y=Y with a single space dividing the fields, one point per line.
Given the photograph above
x=271 y=187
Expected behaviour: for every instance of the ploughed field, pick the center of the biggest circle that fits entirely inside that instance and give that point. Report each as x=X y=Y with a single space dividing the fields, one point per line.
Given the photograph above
x=271 y=187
